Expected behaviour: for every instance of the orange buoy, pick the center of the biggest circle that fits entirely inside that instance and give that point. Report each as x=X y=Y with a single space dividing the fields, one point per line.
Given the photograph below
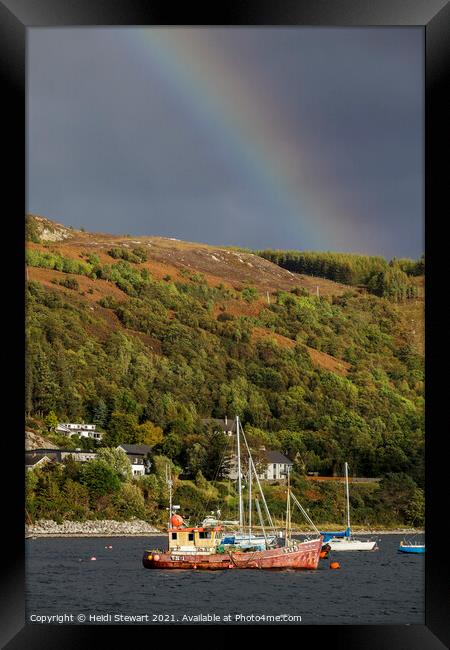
x=335 y=565
x=93 y=558
x=156 y=557
x=176 y=521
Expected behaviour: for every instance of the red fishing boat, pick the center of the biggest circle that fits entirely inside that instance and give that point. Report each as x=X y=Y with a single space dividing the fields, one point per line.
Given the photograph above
x=205 y=547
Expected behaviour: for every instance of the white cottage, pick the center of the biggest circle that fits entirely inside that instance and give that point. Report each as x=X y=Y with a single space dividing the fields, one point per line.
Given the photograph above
x=138 y=457
x=272 y=465
x=82 y=430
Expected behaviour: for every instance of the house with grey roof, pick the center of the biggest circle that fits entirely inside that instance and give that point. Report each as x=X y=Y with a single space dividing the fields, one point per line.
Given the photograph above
x=138 y=457
x=271 y=465
x=34 y=460
x=58 y=455
x=277 y=465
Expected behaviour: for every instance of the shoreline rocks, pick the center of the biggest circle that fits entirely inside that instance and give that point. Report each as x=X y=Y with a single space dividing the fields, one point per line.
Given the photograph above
x=140 y=528
x=91 y=528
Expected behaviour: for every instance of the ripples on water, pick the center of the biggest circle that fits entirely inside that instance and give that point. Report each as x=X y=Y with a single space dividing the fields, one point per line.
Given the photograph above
x=381 y=586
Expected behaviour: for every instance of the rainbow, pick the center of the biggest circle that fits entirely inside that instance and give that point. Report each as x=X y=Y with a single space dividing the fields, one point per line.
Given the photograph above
x=243 y=122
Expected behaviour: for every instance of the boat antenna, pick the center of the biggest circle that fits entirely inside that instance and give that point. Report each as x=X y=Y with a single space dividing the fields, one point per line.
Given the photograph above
x=169 y=485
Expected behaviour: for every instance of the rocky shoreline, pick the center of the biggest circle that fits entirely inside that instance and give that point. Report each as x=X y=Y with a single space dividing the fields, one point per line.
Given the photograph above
x=139 y=528
x=100 y=528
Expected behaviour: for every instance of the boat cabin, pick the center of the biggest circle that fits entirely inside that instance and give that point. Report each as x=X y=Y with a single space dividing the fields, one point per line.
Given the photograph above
x=188 y=539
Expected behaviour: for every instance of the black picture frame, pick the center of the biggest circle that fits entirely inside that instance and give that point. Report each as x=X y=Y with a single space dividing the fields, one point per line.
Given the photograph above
x=18 y=15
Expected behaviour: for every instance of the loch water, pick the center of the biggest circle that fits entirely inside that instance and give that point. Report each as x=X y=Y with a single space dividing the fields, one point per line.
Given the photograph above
x=374 y=587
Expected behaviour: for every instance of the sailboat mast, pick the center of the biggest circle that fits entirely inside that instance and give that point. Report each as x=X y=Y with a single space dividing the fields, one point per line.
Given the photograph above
x=347 y=498
x=249 y=498
x=241 y=509
x=269 y=517
x=288 y=511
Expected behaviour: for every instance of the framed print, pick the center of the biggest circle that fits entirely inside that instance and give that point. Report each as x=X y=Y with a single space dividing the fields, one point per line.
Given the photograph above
x=230 y=418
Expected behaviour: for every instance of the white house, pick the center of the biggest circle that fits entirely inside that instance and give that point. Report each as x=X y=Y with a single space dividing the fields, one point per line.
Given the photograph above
x=82 y=430
x=272 y=465
x=137 y=455
x=277 y=465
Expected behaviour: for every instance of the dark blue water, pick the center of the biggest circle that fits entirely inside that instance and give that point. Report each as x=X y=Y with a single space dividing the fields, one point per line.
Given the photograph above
x=383 y=586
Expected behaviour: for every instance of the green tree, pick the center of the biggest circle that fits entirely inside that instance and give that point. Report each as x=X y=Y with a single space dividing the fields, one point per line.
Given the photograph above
x=122 y=428
x=100 y=479
x=51 y=421
x=415 y=509
x=117 y=460
x=148 y=433
x=130 y=501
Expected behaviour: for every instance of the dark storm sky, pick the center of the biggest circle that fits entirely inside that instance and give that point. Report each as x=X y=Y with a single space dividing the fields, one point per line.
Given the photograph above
x=307 y=138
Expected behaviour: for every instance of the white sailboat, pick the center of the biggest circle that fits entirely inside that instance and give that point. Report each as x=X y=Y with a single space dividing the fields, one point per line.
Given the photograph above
x=346 y=542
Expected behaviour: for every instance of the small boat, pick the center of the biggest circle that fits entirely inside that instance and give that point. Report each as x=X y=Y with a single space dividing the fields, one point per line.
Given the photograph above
x=343 y=541
x=411 y=547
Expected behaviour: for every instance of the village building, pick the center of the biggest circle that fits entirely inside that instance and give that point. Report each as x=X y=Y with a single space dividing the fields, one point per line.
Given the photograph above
x=58 y=455
x=138 y=457
x=277 y=465
x=82 y=430
x=34 y=460
x=271 y=465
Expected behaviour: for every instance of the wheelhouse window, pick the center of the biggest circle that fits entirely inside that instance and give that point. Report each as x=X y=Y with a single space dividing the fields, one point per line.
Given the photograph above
x=174 y=535
x=191 y=537
x=204 y=535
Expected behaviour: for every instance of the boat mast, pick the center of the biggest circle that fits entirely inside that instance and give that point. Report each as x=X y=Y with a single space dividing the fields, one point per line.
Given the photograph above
x=288 y=511
x=249 y=499
x=269 y=517
x=348 y=499
x=241 y=510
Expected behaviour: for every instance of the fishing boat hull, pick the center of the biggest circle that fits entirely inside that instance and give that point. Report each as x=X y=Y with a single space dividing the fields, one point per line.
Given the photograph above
x=208 y=562
x=351 y=545
x=304 y=555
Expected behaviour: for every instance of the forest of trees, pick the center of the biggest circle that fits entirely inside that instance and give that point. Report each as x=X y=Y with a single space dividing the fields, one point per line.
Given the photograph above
x=196 y=360
x=386 y=279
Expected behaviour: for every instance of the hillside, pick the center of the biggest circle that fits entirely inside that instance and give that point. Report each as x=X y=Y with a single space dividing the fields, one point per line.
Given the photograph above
x=148 y=336
x=165 y=256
